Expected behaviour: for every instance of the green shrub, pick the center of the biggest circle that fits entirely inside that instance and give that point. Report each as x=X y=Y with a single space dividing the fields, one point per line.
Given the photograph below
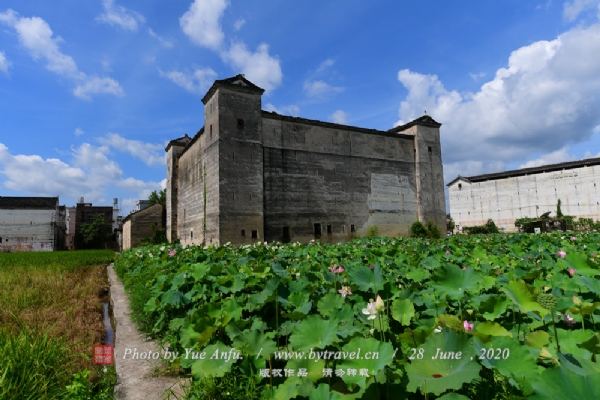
x=433 y=232
x=373 y=231
x=489 y=227
x=418 y=230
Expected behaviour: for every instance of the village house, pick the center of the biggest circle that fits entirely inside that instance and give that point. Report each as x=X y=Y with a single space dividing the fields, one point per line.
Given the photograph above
x=527 y=192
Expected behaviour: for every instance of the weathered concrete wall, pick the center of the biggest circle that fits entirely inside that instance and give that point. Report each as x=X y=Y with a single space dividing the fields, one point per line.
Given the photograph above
x=429 y=175
x=172 y=190
x=199 y=171
x=337 y=177
x=126 y=235
x=138 y=226
x=505 y=200
x=27 y=230
x=240 y=167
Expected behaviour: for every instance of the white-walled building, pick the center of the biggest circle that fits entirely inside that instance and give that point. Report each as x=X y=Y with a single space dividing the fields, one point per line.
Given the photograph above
x=527 y=192
x=29 y=224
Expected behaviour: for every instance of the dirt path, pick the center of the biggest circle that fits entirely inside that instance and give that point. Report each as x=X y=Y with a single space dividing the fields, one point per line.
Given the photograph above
x=134 y=376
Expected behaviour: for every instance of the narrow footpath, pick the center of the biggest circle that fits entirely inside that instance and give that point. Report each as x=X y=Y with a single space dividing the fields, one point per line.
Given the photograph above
x=134 y=376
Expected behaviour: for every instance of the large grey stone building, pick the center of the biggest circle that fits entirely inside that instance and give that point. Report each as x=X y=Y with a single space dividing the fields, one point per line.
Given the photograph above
x=527 y=192
x=250 y=175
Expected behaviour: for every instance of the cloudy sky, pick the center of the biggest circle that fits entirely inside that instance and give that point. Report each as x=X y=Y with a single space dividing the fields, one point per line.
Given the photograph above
x=91 y=92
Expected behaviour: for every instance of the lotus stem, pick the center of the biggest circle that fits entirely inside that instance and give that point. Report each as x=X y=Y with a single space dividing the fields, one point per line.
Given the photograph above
x=555 y=332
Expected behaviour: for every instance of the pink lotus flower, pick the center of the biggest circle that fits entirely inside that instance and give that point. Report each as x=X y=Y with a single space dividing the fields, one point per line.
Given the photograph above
x=379 y=306
x=345 y=291
x=501 y=248
x=335 y=270
x=571 y=271
x=172 y=253
x=371 y=266
x=371 y=310
x=573 y=238
x=499 y=272
x=562 y=254
x=468 y=326
x=464 y=268
x=592 y=254
x=447 y=252
x=568 y=319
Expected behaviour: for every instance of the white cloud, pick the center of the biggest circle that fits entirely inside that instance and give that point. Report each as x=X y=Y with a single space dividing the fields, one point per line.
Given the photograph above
x=37 y=37
x=238 y=24
x=572 y=9
x=546 y=97
x=147 y=152
x=324 y=65
x=94 y=85
x=4 y=63
x=163 y=41
x=339 y=117
x=78 y=132
x=91 y=174
x=320 y=89
x=597 y=129
x=201 y=22
x=120 y=16
x=258 y=67
x=555 y=157
x=291 y=109
x=196 y=82
x=476 y=77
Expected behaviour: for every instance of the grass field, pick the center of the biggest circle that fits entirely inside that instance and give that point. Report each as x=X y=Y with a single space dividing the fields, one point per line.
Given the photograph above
x=50 y=319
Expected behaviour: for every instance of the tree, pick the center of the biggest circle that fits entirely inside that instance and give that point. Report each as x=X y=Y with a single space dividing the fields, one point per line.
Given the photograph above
x=158 y=198
x=96 y=234
x=559 y=213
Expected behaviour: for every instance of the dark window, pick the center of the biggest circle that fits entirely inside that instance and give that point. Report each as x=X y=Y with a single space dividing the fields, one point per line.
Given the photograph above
x=352 y=228
x=254 y=234
x=240 y=123
x=243 y=232
x=460 y=186
x=329 y=229
x=287 y=234
x=429 y=149
x=317 y=230
x=211 y=131
x=192 y=235
x=0 y=240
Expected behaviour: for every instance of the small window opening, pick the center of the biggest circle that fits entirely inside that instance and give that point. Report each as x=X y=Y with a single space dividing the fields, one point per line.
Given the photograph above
x=352 y=228
x=240 y=123
x=192 y=235
x=460 y=186
x=317 y=230
x=0 y=240
x=429 y=150
x=211 y=131
x=254 y=234
x=233 y=155
x=287 y=234
x=243 y=233
x=329 y=229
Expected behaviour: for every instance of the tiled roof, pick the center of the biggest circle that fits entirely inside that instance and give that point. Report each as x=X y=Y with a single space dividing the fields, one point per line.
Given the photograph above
x=238 y=83
x=530 y=171
x=182 y=141
x=425 y=120
x=28 y=203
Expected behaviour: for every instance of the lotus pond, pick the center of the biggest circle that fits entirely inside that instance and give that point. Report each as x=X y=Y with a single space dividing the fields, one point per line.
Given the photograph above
x=465 y=317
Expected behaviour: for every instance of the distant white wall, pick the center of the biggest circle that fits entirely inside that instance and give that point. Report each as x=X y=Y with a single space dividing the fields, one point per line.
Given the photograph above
x=505 y=200
x=27 y=230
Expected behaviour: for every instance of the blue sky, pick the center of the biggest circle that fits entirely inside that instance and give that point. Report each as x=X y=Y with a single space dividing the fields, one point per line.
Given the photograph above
x=91 y=92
